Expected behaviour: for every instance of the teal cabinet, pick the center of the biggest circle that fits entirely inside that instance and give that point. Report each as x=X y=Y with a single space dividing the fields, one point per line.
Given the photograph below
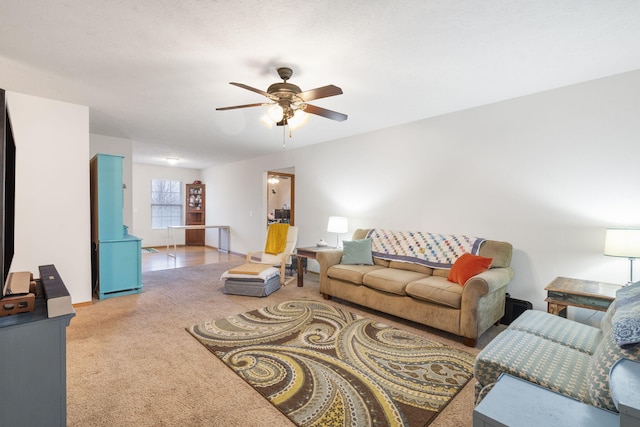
x=110 y=196
x=34 y=368
x=116 y=255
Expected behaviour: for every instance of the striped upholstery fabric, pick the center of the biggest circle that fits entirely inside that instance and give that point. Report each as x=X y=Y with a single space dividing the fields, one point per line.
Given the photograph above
x=578 y=336
x=605 y=323
x=565 y=356
x=607 y=354
x=535 y=359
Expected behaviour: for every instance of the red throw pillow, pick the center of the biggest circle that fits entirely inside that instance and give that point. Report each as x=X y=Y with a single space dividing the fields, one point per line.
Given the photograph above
x=467 y=266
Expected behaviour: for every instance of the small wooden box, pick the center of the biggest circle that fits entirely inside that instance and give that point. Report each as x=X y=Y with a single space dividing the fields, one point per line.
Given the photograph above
x=17 y=304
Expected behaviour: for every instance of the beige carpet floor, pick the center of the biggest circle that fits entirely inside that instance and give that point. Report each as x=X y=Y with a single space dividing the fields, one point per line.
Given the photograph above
x=130 y=361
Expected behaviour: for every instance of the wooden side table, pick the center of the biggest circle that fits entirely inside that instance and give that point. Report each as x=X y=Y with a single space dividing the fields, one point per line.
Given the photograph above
x=563 y=292
x=309 y=253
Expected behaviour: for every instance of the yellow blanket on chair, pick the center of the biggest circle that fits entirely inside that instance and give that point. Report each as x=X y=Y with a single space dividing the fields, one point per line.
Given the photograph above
x=276 y=239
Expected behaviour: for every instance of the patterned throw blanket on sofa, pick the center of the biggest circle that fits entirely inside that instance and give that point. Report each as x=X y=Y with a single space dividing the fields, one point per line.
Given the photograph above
x=432 y=250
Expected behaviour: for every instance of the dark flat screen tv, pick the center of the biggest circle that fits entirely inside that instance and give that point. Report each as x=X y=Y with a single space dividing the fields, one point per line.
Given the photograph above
x=8 y=189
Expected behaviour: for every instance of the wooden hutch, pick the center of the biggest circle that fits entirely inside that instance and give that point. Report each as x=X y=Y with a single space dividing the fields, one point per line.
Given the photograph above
x=195 y=214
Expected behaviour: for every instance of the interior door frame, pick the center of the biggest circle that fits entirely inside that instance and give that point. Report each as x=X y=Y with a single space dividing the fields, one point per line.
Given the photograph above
x=292 y=181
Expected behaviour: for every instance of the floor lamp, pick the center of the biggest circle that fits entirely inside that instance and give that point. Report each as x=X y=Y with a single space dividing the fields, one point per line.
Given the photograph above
x=623 y=242
x=339 y=225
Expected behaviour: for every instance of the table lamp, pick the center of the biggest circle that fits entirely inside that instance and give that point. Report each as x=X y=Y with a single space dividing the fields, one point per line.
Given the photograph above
x=339 y=225
x=623 y=242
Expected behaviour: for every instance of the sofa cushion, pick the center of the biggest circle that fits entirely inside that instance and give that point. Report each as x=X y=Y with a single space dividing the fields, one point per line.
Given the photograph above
x=391 y=280
x=576 y=335
x=357 y=252
x=535 y=359
x=500 y=252
x=467 y=266
x=351 y=273
x=440 y=272
x=411 y=267
x=603 y=359
x=437 y=290
x=360 y=233
x=379 y=261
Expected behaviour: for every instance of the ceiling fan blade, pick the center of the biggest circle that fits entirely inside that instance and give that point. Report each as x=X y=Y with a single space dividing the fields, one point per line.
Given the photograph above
x=252 y=89
x=242 y=106
x=320 y=92
x=333 y=115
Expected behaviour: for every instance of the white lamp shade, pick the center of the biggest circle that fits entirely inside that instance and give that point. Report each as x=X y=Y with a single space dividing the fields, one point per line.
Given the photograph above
x=622 y=242
x=337 y=224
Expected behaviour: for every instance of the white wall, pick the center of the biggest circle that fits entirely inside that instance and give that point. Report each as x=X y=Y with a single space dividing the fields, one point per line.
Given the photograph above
x=142 y=176
x=53 y=223
x=236 y=196
x=101 y=144
x=547 y=172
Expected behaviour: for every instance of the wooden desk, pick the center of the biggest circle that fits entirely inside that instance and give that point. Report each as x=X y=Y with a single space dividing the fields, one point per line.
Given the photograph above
x=224 y=236
x=563 y=292
x=309 y=253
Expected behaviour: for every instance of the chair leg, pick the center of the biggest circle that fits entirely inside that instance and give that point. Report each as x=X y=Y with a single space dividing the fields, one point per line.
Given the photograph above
x=283 y=269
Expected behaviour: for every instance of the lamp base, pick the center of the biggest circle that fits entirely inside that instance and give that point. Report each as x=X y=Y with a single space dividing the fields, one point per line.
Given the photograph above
x=630 y=282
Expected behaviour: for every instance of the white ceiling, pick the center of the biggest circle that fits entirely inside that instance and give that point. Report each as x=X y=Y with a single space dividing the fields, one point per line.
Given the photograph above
x=154 y=71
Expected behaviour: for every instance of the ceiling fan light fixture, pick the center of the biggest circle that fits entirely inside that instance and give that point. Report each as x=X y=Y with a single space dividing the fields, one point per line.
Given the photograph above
x=288 y=102
x=299 y=118
x=267 y=121
x=276 y=112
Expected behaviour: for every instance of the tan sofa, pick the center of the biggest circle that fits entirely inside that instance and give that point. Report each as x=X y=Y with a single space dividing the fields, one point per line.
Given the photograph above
x=422 y=294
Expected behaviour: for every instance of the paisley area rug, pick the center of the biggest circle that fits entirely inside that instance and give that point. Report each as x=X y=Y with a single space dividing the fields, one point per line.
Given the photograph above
x=324 y=366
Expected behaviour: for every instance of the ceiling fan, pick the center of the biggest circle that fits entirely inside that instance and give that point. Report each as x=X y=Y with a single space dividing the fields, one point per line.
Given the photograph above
x=288 y=99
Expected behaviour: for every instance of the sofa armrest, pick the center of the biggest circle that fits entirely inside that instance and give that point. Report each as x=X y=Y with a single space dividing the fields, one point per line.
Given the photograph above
x=483 y=299
x=487 y=282
x=328 y=258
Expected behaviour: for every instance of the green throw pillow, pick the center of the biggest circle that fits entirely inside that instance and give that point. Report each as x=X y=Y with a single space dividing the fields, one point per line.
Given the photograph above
x=357 y=252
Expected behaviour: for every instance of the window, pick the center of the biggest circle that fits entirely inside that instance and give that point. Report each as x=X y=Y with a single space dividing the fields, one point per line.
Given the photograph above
x=166 y=203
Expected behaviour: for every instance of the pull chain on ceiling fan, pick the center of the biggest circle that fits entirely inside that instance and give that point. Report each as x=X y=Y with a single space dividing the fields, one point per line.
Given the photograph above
x=287 y=99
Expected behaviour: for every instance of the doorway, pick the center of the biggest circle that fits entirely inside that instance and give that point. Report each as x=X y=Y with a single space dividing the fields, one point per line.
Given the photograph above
x=281 y=197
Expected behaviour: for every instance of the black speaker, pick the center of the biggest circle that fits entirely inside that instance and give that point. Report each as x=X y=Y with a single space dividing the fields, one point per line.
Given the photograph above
x=514 y=308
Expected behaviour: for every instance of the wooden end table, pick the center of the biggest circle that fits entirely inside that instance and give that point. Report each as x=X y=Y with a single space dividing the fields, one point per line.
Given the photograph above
x=563 y=292
x=310 y=253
